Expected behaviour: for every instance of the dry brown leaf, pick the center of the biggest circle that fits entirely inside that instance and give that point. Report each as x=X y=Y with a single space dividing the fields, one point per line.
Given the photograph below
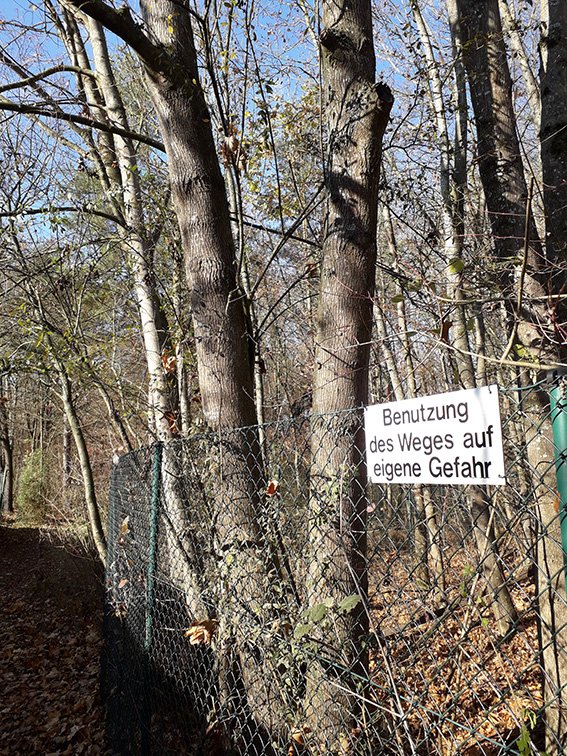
x=201 y=633
x=298 y=736
x=125 y=526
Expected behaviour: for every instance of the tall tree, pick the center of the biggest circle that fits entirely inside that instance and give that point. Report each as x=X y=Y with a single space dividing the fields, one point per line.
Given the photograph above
x=165 y=45
x=452 y=176
x=533 y=272
x=355 y=115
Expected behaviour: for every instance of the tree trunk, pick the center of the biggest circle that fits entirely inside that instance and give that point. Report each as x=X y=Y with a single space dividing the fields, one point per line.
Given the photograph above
x=510 y=26
x=553 y=138
x=223 y=349
x=355 y=112
x=163 y=405
x=500 y=162
x=97 y=531
x=424 y=500
x=66 y=458
x=7 y=470
x=536 y=325
x=551 y=581
x=452 y=174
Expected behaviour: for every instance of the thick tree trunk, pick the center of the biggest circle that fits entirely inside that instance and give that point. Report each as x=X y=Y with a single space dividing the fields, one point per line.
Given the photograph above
x=222 y=336
x=355 y=112
x=223 y=350
x=218 y=308
x=500 y=161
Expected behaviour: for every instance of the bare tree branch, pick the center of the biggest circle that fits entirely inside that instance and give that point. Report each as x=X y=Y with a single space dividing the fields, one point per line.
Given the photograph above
x=65 y=209
x=120 y=22
x=15 y=107
x=43 y=75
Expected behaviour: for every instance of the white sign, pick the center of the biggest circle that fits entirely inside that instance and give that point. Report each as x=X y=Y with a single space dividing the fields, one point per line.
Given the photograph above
x=446 y=438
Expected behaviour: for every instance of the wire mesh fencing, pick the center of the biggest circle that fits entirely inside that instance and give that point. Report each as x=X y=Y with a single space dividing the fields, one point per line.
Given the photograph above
x=263 y=599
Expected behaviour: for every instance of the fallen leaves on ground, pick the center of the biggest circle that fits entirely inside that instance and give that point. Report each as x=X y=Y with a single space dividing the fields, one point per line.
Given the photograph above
x=50 y=625
x=457 y=685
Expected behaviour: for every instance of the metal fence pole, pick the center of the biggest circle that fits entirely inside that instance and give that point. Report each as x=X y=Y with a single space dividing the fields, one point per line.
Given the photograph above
x=150 y=595
x=558 y=402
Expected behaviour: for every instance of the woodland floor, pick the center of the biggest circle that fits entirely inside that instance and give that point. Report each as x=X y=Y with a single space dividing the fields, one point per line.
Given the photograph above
x=51 y=609
x=51 y=599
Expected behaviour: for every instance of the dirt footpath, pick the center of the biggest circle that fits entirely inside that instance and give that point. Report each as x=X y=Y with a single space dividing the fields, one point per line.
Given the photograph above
x=50 y=640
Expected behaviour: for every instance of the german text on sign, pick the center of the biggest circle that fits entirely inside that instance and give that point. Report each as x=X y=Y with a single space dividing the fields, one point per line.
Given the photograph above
x=444 y=438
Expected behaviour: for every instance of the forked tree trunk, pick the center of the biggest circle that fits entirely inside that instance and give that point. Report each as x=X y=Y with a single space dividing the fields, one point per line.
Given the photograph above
x=355 y=114
x=222 y=337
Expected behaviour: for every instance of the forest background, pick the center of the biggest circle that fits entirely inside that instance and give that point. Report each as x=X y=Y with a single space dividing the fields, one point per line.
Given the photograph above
x=114 y=336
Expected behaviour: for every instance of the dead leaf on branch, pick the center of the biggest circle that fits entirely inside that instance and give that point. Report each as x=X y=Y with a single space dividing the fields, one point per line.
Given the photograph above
x=123 y=531
x=272 y=488
x=298 y=736
x=201 y=633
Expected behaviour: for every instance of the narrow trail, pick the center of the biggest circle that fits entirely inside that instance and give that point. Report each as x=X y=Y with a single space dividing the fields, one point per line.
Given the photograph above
x=50 y=641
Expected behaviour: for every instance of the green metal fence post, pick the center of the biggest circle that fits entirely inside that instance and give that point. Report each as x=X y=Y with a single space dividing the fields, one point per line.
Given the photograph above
x=558 y=401
x=152 y=549
x=150 y=595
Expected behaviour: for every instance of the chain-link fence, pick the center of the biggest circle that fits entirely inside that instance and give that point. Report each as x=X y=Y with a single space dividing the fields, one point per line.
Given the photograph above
x=263 y=600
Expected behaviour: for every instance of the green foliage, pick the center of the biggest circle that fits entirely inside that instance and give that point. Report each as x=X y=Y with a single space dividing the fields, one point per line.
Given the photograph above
x=456 y=266
x=524 y=742
x=467 y=574
x=316 y=614
x=32 y=492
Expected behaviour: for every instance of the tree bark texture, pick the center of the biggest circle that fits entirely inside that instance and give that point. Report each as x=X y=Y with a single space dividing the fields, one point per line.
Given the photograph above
x=7 y=457
x=501 y=168
x=515 y=240
x=355 y=115
x=217 y=304
x=248 y=676
x=553 y=139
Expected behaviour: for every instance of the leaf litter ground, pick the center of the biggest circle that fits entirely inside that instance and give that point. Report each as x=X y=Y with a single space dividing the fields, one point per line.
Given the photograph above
x=50 y=625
